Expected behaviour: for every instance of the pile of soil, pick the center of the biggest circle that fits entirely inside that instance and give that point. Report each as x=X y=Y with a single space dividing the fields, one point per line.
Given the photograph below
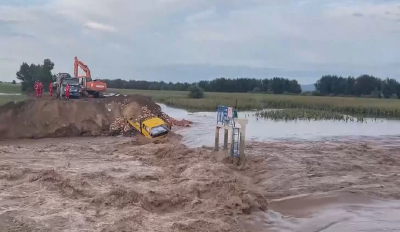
x=41 y=118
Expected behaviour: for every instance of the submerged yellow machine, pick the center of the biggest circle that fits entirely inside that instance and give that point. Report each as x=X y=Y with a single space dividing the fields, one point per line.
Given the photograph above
x=151 y=127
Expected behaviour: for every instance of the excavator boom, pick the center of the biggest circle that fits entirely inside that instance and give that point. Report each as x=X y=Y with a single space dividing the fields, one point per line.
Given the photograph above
x=83 y=66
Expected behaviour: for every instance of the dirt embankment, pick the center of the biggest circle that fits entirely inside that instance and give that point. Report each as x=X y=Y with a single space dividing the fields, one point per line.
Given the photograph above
x=40 y=118
x=120 y=184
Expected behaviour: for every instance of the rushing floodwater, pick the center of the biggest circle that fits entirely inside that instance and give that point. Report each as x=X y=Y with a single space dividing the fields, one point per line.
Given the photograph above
x=313 y=213
x=334 y=213
x=203 y=128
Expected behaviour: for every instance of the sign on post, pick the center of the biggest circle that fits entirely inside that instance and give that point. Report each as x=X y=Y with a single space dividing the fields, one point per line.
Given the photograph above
x=230 y=112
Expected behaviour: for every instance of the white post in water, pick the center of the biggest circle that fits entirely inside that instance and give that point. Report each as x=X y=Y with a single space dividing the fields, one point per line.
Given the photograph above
x=226 y=138
x=216 y=146
x=243 y=122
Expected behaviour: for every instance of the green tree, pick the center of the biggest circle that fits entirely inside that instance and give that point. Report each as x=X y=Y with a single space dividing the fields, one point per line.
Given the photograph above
x=195 y=91
x=13 y=82
x=294 y=87
x=28 y=74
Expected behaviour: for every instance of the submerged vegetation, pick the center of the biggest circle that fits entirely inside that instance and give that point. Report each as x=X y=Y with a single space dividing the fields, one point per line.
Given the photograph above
x=366 y=107
x=306 y=114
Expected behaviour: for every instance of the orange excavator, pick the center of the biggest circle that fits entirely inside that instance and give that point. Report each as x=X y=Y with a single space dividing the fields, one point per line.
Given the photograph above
x=89 y=86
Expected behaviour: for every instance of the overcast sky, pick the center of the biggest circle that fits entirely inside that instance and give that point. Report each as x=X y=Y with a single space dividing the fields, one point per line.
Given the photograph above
x=188 y=40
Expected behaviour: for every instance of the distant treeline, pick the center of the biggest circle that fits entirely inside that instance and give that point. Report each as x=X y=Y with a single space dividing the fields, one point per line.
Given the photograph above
x=276 y=85
x=364 y=85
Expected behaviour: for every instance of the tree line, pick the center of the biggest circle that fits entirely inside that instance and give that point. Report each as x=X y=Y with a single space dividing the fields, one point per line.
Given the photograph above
x=364 y=85
x=276 y=85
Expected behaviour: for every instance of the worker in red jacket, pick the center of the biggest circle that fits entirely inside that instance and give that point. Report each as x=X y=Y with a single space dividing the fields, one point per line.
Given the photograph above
x=40 y=89
x=36 y=87
x=67 y=91
x=51 y=89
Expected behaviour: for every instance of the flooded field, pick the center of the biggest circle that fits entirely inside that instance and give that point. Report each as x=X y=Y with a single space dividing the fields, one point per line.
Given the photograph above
x=201 y=132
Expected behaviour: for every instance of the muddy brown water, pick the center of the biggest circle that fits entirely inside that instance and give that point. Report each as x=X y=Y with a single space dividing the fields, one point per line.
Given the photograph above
x=317 y=211
x=313 y=183
x=334 y=212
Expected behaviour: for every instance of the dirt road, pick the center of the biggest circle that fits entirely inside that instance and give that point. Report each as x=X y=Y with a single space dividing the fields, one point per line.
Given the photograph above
x=123 y=184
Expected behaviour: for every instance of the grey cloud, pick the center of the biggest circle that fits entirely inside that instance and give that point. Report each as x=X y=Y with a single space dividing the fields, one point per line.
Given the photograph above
x=358 y=15
x=387 y=13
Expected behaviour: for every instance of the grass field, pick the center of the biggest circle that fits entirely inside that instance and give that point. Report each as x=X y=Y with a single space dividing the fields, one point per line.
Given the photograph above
x=10 y=88
x=9 y=98
x=389 y=108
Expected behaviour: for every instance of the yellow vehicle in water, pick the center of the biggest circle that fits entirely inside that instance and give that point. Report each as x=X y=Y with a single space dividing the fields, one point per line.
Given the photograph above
x=152 y=127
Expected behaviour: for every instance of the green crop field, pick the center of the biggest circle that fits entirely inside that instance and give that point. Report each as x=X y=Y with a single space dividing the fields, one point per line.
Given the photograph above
x=6 y=88
x=9 y=98
x=374 y=107
x=10 y=88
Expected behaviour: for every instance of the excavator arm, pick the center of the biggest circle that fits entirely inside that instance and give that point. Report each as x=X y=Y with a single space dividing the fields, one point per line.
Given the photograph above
x=84 y=67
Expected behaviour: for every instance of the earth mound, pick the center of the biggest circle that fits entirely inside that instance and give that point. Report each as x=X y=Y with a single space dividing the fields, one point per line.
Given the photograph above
x=41 y=118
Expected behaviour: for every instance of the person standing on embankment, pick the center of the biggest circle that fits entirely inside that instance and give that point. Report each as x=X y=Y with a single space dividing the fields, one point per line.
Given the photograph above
x=67 y=92
x=36 y=87
x=40 y=89
x=51 y=89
